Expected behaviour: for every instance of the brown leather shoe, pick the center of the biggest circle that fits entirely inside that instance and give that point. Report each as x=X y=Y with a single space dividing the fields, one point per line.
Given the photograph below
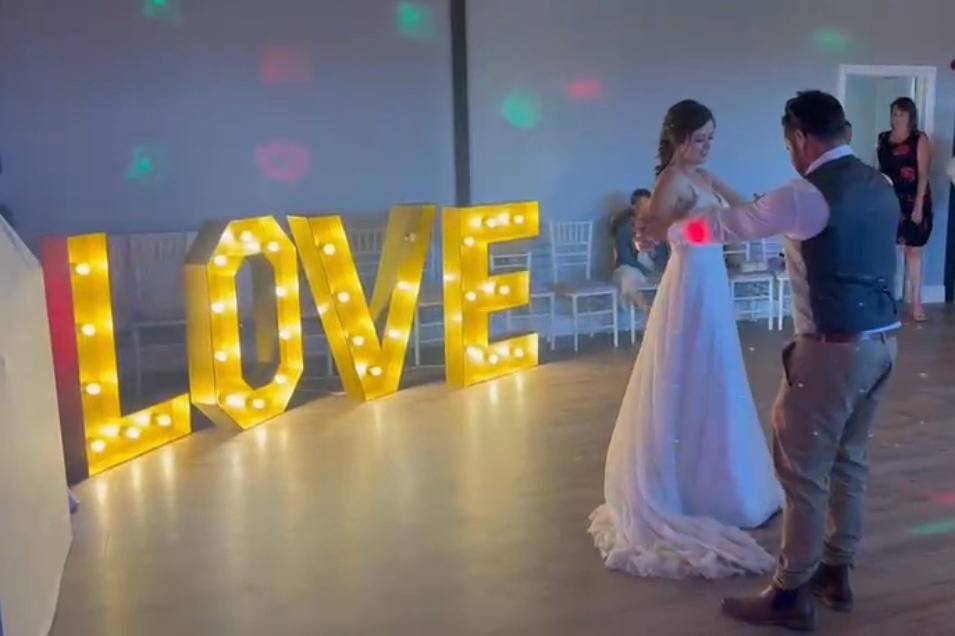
x=830 y=584
x=792 y=609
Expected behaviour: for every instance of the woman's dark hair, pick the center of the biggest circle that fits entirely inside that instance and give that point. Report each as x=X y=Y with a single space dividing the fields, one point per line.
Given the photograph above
x=817 y=114
x=618 y=220
x=623 y=216
x=682 y=120
x=639 y=193
x=906 y=105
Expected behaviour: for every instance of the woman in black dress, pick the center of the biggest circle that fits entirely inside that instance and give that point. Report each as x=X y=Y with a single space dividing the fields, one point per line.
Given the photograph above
x=905 y=156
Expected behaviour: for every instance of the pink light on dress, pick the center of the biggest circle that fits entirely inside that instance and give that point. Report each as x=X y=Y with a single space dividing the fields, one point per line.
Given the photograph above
x=697 y=233
x=585 y=89
x=286 y=64
x=284 y=161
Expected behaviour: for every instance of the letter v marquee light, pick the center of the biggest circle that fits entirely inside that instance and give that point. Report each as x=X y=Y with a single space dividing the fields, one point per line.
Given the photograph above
x=370 y=366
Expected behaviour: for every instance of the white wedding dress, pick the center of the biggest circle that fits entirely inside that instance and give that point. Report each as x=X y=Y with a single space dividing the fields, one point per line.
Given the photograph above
x=688 y=464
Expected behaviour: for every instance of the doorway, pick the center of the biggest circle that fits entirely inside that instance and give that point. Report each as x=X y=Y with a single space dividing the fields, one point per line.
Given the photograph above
x=866 y=93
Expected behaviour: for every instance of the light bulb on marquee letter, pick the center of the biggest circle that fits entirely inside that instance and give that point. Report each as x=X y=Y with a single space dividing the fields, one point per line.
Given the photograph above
x=468 y=232
x=370 y=366
x=216 y=382
x=96 y=434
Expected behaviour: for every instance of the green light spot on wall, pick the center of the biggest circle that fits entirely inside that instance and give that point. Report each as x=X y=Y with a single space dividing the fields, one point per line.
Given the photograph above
x=831 y=41
x=522 y=109
x=162 y=10
x=415 y=21
x=146 y=166
x=933 y=529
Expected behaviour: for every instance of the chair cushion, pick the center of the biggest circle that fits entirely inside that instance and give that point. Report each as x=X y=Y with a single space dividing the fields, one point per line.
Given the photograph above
x=585 y=288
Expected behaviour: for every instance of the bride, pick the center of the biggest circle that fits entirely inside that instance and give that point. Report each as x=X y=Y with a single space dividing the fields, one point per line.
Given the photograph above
x=688 y=464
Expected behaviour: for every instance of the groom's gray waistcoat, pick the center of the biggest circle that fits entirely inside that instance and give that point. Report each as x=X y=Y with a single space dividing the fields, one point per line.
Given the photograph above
x=850 y=265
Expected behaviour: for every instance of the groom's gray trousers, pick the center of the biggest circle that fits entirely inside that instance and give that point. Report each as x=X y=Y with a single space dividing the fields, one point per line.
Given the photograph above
x=821 y=427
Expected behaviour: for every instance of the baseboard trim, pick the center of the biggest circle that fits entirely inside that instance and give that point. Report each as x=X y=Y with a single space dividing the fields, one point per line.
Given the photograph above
x=933 y=294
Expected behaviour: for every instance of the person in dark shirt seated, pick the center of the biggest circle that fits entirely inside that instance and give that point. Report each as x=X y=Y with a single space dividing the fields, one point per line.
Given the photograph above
x=632 y=270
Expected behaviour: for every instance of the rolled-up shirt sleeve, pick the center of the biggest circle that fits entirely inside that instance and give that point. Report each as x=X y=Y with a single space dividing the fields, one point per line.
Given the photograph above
x=797 y=210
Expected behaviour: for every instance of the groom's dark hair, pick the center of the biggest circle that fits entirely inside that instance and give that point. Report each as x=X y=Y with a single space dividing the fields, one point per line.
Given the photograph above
x=817 y=114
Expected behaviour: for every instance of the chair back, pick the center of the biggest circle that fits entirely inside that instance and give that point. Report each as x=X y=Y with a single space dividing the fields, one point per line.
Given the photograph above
x=571 y=250
x=511 y=262
x=366 y=245
x=156 y=263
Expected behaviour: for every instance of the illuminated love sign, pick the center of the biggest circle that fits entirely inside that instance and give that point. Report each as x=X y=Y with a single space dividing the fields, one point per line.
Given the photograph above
x=76 y=269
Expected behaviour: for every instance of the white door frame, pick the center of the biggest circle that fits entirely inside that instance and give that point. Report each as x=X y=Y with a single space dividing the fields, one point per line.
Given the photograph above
x=926 y=74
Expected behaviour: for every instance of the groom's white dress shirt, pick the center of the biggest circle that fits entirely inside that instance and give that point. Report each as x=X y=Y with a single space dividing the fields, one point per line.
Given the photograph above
x=797 y=211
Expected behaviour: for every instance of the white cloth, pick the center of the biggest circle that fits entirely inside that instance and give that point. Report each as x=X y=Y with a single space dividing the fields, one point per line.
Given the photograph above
x=35 y=531
x=688 y=463
x=950 y=170
x=797 y=211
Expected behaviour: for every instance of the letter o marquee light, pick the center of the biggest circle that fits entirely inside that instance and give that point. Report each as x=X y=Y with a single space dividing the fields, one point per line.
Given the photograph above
x=216 y=381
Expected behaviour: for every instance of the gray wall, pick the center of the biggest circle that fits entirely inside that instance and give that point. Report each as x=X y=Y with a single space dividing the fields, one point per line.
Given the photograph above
x=83 y=85
x=743 y=58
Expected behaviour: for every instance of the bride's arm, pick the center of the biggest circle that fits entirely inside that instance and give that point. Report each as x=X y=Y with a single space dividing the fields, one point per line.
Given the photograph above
x=673 y=197
x=671 y=200
x=797 y=210
x=731 y=196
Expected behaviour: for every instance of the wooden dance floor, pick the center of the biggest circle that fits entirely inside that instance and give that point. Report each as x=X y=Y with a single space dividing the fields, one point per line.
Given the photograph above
x=444 y=512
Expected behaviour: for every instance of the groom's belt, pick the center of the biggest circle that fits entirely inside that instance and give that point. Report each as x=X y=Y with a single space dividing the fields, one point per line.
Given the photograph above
x=850 y=337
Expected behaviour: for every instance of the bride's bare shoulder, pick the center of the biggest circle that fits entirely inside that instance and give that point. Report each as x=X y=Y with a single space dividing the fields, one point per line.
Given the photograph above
x=673 y=179
x=673 y=193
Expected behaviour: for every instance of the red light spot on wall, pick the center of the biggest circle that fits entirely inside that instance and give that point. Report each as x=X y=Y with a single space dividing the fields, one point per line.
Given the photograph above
x=944 y=499
x=284 y=161
x=585 y=89
x=286 y=64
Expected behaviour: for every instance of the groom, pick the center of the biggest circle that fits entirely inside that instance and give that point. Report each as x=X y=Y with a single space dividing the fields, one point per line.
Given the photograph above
x=840 y=222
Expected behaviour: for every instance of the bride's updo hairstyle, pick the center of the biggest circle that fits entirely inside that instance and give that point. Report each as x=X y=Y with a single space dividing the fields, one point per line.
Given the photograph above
x=681 y=121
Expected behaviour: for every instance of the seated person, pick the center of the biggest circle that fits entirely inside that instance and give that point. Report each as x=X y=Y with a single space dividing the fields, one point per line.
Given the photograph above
x=632 y=269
